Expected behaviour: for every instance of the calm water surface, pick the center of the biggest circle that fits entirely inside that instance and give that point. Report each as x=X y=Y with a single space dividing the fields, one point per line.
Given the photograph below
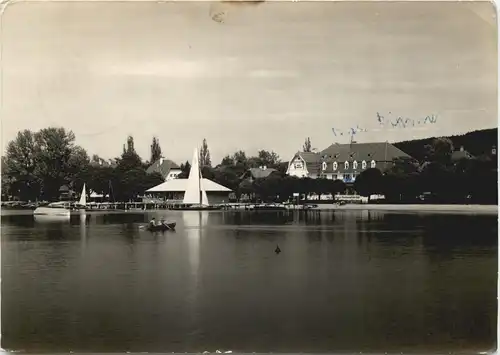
x=345 y=281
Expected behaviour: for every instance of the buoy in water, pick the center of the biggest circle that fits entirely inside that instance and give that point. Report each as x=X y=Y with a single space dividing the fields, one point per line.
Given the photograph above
x=277 y=250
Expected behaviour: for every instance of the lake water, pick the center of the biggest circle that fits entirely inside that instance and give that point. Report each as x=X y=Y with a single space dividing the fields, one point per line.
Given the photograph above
x=344 y=281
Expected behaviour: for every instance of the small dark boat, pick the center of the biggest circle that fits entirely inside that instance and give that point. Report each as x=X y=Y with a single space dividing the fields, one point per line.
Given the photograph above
x=161 y=227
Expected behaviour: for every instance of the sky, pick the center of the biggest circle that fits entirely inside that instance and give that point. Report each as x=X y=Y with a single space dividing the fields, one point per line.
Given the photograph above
x=245 y=76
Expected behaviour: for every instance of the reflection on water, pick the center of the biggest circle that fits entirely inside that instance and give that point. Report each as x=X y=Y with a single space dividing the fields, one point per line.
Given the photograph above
x=344 y=281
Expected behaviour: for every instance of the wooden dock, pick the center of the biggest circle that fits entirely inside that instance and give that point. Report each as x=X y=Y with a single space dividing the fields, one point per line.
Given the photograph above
x=177 y=205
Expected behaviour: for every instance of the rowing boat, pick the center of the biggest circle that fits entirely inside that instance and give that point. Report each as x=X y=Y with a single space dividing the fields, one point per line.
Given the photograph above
x=161 y=227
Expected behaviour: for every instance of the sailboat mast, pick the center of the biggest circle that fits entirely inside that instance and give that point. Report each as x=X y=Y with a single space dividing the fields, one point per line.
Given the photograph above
x=199 y=185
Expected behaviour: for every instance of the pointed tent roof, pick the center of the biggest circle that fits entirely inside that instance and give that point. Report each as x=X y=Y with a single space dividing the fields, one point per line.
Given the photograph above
x=180 y=185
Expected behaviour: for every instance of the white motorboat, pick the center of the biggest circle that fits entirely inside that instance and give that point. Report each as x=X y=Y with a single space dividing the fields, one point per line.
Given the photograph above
x=59 y=209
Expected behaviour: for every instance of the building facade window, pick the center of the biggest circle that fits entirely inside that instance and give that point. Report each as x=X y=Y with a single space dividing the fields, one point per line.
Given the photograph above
x=346 y=165
x=335 y=166
x=363 y=165
x=355 y=165
x=298 y=165
x=323 y=166
x=373 y=164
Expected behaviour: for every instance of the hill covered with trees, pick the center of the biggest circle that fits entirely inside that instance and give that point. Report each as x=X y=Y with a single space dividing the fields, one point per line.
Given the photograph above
x=477 y=143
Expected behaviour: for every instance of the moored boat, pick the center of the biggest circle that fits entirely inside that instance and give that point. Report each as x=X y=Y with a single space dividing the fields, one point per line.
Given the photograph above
x=59 y=209
x=81 y=205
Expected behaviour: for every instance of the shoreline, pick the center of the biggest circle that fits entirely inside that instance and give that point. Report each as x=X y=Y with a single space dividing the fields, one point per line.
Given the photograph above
x=391 y=208
x=421 y=208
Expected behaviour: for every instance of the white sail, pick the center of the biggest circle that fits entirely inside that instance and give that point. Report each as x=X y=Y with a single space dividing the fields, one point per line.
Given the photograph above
x=204 y=197
x=192 y=193
x=83 y=197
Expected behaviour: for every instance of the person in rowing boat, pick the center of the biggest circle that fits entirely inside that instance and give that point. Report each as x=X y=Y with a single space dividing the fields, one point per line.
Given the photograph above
x=152 y=223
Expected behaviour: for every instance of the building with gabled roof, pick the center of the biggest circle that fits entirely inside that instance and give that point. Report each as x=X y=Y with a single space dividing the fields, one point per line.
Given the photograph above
x=167 y=168
x=344 y=161
x=257 y=173
x=461 y=154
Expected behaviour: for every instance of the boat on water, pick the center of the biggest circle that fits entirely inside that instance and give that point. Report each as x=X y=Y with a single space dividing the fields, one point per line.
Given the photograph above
x=56 y=209
x=63 y=208
x=195 y=196
x=81 y=205
x=161 y=227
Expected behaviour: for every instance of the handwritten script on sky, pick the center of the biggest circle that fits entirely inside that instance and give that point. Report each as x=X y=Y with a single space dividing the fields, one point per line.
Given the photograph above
x=388 y=123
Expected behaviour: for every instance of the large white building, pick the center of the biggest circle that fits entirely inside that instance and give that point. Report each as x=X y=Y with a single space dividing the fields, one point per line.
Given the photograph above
x=343 y=161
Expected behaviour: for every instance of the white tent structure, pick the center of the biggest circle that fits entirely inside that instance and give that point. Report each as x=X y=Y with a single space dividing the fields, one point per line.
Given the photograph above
x=180 y=185
x=194 y=188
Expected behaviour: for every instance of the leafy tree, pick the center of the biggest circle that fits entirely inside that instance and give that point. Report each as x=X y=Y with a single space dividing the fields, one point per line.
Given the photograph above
x=269 y=187
x=337 y=186
x=99 y=179
x=240 y=158
x=155 y=150
x=55 y=148
x=269 y=159
x=440 y=150
x=129 y=159
x=205 y=155
x=402 y=181
x=307 y=145
x=185 y=169
x=20 y=166
x=227 y=161
x=227 y=178
x=78 y=168
x=369 y=182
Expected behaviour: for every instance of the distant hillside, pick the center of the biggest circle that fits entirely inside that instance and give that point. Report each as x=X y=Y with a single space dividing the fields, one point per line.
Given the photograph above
x=476 y=143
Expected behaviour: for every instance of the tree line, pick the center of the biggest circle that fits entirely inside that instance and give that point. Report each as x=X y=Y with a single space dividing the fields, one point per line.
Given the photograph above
x=437 y=177
x=38 y=164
